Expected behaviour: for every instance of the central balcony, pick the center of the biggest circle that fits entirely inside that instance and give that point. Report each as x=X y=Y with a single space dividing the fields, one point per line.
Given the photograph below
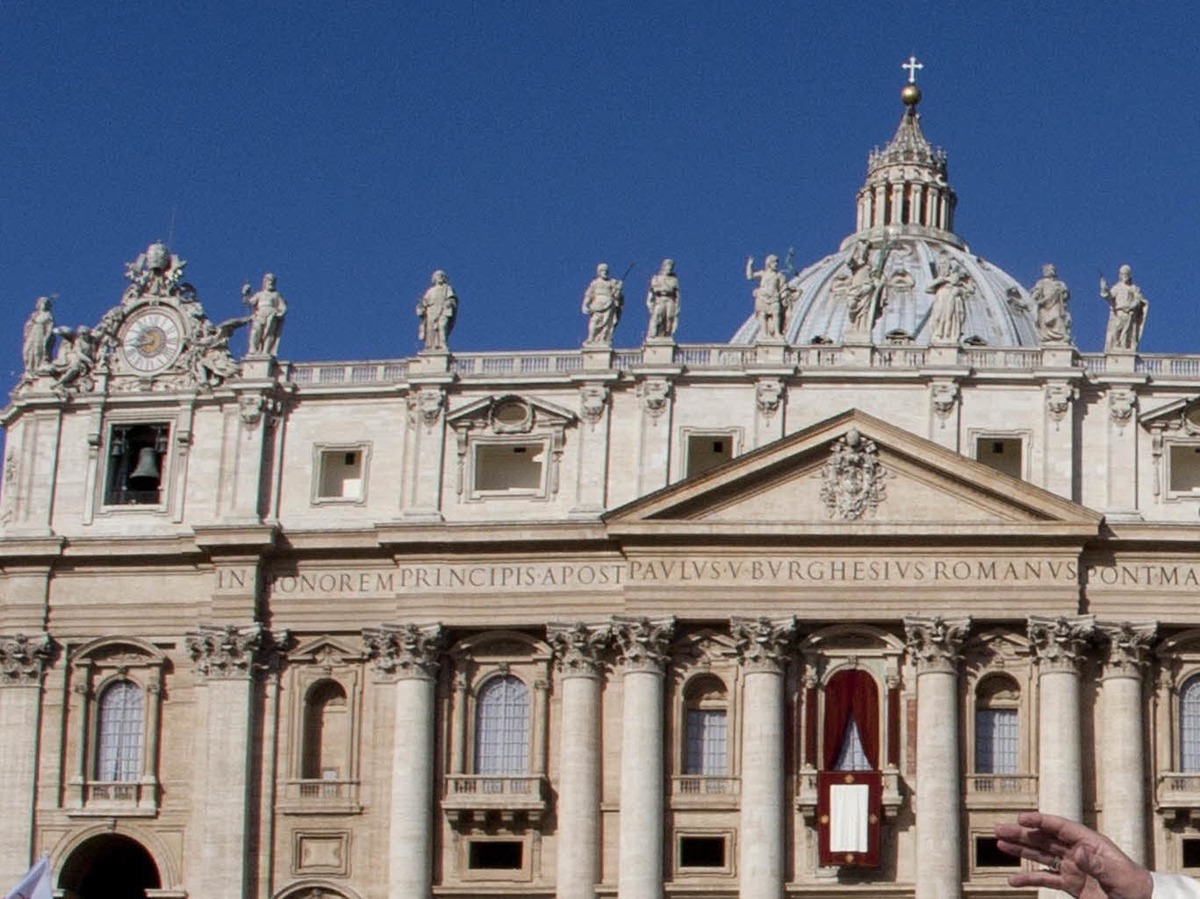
x=508 y=799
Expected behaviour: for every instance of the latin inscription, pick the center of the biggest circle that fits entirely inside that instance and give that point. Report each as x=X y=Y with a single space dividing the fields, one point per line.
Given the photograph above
x=716 y=572
x=1159 y=576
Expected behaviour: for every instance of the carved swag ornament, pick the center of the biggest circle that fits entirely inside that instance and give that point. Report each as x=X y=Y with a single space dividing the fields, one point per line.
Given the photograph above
x=22 y=658
x=852 y=480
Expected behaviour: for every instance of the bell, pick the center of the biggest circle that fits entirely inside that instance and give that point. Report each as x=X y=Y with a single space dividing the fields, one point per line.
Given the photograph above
x=145 y=475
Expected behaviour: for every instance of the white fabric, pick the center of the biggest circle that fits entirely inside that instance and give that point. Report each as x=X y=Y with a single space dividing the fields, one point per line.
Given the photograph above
x=1175 y=886
x=35 y=884
x=848 y=815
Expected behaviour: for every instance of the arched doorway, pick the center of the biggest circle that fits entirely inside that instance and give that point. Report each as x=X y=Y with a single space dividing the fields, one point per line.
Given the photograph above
x=109 y=866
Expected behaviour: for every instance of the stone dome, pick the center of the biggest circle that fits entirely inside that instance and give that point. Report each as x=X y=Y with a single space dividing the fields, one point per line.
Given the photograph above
x=879 y=287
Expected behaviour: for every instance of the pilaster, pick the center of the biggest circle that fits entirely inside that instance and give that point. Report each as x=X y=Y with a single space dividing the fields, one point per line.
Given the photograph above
x=425 y=449
x=595 y=412
x=22 y=659
x=934 y=645
x=655 y=394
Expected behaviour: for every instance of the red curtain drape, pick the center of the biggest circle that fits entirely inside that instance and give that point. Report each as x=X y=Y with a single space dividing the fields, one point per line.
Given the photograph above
x=849 y=693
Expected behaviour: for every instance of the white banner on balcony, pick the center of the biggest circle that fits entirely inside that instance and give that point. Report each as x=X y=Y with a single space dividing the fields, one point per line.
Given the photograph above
x=849 y=813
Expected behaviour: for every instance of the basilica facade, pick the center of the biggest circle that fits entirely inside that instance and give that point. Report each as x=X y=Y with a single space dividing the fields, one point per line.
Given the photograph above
x=804 y=613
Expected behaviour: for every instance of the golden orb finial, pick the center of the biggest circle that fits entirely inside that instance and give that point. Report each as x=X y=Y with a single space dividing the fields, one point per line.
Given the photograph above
x=910 y=94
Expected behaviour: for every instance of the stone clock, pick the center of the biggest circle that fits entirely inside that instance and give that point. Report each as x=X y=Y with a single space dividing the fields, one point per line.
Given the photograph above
x=151 y=341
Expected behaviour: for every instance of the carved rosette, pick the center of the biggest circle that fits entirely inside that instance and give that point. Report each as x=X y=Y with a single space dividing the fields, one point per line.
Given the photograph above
x=768 y=395
x=1060 y=644
x=579 y=648
x=644 y=643
x=225 y=653
x=425 y=406
x=22 y=659
x=763 y=644
x=593 y=398
x=1058 y=400
x=404 y=650
x=852 y=480
x=1127 y=647
x=1121 y=403
x=935 y=643
x=944 y=396
x=654 y=394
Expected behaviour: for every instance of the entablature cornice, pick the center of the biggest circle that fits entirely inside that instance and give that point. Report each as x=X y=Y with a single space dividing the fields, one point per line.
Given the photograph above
x=16 y=551
x=461 y=534
x=235 y=539
x=1067 y=534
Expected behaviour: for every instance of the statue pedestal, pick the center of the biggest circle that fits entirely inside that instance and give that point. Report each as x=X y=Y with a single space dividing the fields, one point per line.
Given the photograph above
x=855 y=353
x=658 y=351
x=1120 y=361
x=1058 y=355
x=770 y=352
x=431 y=362
x=258 y=366
x=944 y=356
x=597 y=358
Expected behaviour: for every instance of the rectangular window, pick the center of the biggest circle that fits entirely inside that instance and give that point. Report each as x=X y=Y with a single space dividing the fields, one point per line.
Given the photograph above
x=707 y=750
x=1185 y=468
x=996 y=741
x=1001 y=453
x=514 y=468
x=707 y=451
x=702 y=852
x=1191 y=853
x=988 y=855
x=341 y=474
x=137 y=454
x=496 y=855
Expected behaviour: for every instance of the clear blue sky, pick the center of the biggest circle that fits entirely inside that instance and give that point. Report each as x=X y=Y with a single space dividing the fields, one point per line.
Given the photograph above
x=352 y=148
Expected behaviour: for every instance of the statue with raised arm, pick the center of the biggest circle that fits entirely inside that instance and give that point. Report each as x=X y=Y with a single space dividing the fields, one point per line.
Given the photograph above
x=267 y=309
x=76 y=356
x=436 y=311
x=662 y=301
x=602 y=302
x=38 y=338
x=1050 y=295
x=209 y=358
x=773 y=298
x=1127 y=312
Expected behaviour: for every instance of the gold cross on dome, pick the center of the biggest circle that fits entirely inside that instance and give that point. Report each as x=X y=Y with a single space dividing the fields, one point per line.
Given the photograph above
x=912 y=65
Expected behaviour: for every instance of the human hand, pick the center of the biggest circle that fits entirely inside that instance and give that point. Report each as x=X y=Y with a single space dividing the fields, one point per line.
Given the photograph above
x=1077 y=860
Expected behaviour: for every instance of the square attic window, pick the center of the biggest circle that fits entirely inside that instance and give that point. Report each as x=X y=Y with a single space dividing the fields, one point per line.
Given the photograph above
x=340 y=474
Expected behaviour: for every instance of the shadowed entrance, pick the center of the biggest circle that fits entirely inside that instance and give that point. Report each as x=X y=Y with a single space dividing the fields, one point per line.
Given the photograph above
x=109 y=866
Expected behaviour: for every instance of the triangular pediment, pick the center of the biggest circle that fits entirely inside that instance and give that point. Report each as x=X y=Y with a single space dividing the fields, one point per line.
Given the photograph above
x=510 y=414
x=857 y=472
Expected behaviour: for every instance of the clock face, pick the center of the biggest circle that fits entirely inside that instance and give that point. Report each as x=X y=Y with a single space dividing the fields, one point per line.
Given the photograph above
x=151 y=342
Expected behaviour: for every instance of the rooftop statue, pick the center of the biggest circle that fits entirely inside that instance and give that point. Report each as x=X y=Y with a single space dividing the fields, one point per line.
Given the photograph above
x=1127 y=312
x=1050 y=295
x=157 y=272
x=208 y=357
x=38 y=339
x=866 y=291
x=602 y=302
x=948 y=315
x=662 y=301
x=268 y=309
x=436 y=311
x=75 y=359
x=773 y=298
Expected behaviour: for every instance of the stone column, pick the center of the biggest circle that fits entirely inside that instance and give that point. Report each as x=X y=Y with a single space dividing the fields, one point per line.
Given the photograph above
x=644 y=646
x=1121 y=742
x=407 y=656
x=1059 y=644
x=224 y=660
x=578 y=654
x=763 y=646
x=933 y=645
x=21 y=662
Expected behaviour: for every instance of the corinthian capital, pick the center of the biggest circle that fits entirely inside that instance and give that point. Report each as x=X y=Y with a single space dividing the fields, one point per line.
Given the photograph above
x=763 y=644
x=22 y=658
x=644 y=643
x=404 y=650
x=224 y=652
x=579 y=648
x=935 y=642
x=1127 y=647
x=1060 y=643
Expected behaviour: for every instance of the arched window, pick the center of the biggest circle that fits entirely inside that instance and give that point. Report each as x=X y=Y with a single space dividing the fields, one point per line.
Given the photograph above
x=706 y=746
x=502 y=727
x=851 y=722
x=120 y=727
x=1189 y=725
x=326 y=732
x=997 y=743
